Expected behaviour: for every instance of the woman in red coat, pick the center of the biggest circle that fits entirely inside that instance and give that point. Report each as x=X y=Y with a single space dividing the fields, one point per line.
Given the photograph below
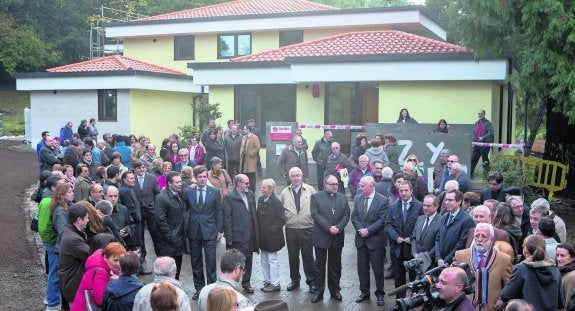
x=101 y=267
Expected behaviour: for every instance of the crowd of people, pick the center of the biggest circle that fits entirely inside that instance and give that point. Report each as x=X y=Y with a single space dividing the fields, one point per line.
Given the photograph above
x=98 y=196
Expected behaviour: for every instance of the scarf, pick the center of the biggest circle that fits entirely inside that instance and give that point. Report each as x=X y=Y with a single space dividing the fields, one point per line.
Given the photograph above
x=482 y=277
x=567 y=268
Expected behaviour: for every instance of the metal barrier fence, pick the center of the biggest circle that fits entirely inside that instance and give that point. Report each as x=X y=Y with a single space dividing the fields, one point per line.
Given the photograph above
x=549 y=175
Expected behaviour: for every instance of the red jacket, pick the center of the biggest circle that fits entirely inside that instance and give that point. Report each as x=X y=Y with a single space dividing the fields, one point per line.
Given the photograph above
x=96 y=277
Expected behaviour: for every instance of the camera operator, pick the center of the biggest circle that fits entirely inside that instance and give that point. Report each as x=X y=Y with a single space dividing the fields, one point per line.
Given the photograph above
x=451 y=287
x=491 y=267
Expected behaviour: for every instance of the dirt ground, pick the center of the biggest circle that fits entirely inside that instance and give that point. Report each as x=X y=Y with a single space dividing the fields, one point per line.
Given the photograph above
x=23 y=282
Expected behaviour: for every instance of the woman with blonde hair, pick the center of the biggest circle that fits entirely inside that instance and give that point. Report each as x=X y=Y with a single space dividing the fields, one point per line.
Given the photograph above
x=188 y=180
x=222 y=299
x=166 y=168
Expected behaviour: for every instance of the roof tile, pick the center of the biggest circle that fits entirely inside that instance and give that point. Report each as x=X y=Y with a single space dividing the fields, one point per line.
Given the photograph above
x=358 y=43
x=244 y=7
x=113 y=63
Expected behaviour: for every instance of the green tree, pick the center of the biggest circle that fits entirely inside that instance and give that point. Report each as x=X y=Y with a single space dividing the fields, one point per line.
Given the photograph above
x=21 y=49
x=348 y=4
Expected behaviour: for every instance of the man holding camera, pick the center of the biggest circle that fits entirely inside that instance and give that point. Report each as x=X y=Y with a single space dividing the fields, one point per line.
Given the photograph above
x=451 y=286
x=490 y=266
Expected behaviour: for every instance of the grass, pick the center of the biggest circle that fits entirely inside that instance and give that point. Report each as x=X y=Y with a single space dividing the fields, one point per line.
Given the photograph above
x=12 y=104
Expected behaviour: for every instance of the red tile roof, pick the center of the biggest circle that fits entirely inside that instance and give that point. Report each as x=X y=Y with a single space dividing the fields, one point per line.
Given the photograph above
x=113 y=63
x=358 y=43
x=244 y=7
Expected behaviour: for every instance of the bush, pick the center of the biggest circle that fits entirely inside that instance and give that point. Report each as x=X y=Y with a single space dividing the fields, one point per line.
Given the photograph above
x=187 y=132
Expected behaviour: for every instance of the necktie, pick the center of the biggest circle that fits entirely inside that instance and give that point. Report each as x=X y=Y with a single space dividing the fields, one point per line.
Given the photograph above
x=365 y=206
x=451 y=217
x=425 y=224
x=404 y=212
x=141 y=181
x=201 y=199
x=481 y=263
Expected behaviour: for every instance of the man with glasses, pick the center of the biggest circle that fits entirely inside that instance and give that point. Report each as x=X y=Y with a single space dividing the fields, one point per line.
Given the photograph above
x=296 y=199
x=446 y=176
x=205 y=228
x=232 y=270
x=185 y=160
x=453 y=234
x=240 y=224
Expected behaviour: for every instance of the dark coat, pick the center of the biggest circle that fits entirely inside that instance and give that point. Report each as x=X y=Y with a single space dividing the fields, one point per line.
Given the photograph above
x=121 y=217
x=537 y=282
x=419 y=188
x=120 y=293
x=374 y=221
x=74 y=251
x=486 y=194
x=452 y=237
x=393 y=150
x=48 y=158
x=271 y=220
x=129 y=199
x=204 y=224
x=213 y=149
x=147 y=194
x=329 y=209
x=331 y=167
x=395 y=227
x=426 y=242
x=240 y=225
x=321 y=150
x=169 y=217
x=290 y=158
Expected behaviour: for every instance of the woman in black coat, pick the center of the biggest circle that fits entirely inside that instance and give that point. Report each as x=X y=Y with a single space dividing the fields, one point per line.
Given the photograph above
x=271 y=219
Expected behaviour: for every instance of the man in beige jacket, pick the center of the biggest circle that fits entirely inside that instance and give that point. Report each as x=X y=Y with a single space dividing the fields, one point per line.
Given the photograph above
x=296 y=199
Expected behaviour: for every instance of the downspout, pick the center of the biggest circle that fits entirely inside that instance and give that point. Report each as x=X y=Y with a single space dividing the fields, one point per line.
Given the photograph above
x=195 y=100
x=511 y=130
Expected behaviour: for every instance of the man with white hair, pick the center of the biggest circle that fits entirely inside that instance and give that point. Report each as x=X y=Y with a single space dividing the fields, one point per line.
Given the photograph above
x=492 y=268
x=456 y=173
x=382 y=186
x=450 y=185
x=419 y=186
x=164 y=271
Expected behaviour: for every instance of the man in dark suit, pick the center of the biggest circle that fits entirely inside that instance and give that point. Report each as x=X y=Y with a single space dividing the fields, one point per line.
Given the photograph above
x=170 y=210
x=185 y=160
x=368 y=217
x=495 y=188
x=240 y=224
x=205 y=228
x=399 y=225
x=128 y=199
x=146 y=190
x=426 y=227
x=453 y=233
x=330 y=212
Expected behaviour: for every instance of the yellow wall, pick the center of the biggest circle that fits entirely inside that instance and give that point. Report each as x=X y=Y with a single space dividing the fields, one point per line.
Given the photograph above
x=427 y=102
x=310 y=110
x=265 y=41
x=223 y=95
x=157 y=114
x=159 y=53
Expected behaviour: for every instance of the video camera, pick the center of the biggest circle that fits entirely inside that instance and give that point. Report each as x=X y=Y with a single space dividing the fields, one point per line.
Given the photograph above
x=424 y=291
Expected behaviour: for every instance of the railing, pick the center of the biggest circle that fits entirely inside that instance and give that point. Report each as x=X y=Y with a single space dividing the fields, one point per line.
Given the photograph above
x=549 y=175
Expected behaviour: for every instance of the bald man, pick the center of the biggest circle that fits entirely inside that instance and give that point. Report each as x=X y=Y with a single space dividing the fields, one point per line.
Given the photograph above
x=482 y=214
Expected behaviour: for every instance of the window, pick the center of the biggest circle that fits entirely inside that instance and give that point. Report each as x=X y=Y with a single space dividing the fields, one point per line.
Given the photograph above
x=184 y=48
x=232 y=45
x=265 y=103
x=289 y=37
x=107 y=105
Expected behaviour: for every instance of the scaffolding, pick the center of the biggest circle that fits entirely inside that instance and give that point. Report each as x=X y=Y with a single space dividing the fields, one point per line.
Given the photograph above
x=100 y=45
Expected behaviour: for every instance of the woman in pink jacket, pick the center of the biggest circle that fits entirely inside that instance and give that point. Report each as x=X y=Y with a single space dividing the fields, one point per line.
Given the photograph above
x=101 y=267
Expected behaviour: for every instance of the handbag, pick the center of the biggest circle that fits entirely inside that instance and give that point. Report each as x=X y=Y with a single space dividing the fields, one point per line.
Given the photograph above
x=34 y=221
x=91 y=304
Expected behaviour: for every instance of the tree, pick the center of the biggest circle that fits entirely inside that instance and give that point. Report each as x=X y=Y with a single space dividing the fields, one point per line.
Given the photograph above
x=348 y=4
x=539 y=37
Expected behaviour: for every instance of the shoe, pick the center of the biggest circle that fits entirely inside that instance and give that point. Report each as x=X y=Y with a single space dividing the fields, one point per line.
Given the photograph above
x=54 y=308
x=336 y=295
x=272 y=288
x=248 y=288
x=196 y=295
x=362 y=298
x=266 y=284
x=388 y=275
x=381 y=300
x=45 y=300
x=312 y=289
x=292 y=286
x=317 y=297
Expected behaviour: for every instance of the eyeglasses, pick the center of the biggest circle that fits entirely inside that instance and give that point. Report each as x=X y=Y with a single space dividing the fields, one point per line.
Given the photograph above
x=451 y=161
x=412 y=160
x=183 y=155
x=332 y=184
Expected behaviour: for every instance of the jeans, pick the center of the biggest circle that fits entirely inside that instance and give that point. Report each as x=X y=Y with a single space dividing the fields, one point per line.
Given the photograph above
x=270 y=267
x=53 y=288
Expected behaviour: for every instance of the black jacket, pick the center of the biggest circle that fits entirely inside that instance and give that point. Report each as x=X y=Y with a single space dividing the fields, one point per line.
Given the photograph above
x=271 y=219
x=239 y=223
x=169 y=216
x=120 y=293
x=329 y=210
